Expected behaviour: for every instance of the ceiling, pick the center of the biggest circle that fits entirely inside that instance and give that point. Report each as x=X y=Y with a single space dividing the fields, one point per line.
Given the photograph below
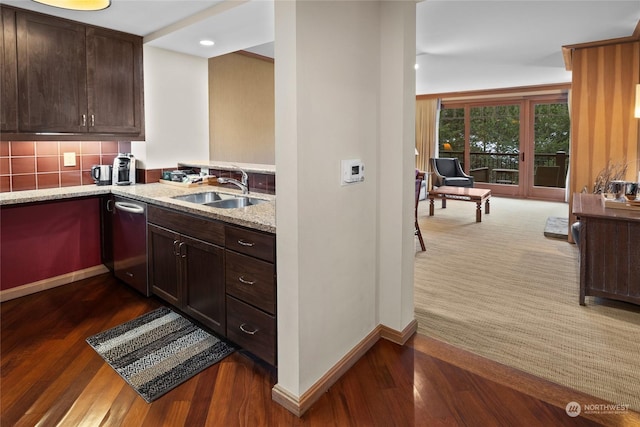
x=460 y=45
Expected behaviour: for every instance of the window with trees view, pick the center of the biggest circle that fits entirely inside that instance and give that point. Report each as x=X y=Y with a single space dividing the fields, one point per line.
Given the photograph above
x=492 y=138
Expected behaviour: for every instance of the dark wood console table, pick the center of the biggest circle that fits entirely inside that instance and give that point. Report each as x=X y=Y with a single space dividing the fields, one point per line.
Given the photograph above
x=609 y=250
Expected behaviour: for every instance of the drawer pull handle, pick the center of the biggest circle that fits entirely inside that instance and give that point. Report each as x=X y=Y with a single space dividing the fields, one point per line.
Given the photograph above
x=245 y=281
x=245 y=243
x=246 y=331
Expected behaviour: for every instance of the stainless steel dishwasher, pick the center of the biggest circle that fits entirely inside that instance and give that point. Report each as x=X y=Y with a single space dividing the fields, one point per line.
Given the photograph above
x=130 y=243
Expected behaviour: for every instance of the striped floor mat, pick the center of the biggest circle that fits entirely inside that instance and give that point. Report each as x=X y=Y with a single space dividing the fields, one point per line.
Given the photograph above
x=158 y=351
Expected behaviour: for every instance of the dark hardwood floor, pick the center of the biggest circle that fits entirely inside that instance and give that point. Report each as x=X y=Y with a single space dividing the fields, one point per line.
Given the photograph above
x=51 y=376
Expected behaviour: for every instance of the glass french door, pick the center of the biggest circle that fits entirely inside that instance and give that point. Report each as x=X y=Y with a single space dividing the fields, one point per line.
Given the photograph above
x=517 y=148
x=548 y=150
x=494 y=145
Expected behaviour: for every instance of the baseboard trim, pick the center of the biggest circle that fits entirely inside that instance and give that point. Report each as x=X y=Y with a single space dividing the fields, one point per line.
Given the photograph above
x=298 y=406
x=399 y=338
x=287 y=400
x=52 y=282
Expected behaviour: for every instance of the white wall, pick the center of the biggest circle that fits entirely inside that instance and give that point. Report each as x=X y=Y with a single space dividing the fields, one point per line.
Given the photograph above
x=176 y=105
x=396 y=197
x=332 y=79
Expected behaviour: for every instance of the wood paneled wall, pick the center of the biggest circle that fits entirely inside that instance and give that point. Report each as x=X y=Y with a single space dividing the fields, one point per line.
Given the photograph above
x=603 y=128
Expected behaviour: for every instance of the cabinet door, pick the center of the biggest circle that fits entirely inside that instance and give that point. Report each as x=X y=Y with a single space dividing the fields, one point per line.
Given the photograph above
x=51 y=74
x=203 y=275
x=9 y=76
x=163 y=264
x=114 y=81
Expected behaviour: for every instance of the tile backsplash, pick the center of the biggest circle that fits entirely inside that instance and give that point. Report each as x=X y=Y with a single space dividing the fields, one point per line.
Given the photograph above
x=32 y=165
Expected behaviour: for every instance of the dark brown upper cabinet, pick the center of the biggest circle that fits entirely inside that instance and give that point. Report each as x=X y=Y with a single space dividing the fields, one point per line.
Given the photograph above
x=114 y=82
x=52 y=75
x=76 y=81
x=9 y=75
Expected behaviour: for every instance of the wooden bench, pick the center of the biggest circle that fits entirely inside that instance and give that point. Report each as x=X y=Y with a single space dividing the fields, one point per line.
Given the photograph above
x=477 y=195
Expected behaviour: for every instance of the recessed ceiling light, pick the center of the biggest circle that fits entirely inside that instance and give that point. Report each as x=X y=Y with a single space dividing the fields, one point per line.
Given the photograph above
x=207 y=42
x=416 y=66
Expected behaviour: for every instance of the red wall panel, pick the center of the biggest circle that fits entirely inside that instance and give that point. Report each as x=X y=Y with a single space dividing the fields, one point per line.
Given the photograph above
x=46 y=240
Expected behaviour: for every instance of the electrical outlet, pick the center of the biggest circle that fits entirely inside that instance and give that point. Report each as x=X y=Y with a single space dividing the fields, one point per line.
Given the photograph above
x=70 y=159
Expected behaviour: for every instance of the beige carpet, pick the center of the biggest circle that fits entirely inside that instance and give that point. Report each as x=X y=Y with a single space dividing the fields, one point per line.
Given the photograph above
x=503 y=290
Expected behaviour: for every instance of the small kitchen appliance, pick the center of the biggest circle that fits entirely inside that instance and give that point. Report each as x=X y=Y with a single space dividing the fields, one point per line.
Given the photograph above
x=124 y=169
x=101 y=174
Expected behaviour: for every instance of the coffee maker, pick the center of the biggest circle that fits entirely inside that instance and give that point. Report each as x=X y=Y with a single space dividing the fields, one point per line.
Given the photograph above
x=124 y=169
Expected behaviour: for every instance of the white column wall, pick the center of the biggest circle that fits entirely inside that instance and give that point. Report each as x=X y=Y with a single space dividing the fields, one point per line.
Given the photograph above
x=396 y=244
x=330 y=61
x=176 y=104
x=287 y=189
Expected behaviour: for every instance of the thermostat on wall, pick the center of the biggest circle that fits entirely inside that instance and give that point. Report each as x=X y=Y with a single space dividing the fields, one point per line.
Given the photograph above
x=352 y=171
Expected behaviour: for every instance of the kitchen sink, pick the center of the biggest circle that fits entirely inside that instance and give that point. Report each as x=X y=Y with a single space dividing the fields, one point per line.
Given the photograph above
x=200 y=198
x=218 y=200
x=236 y=202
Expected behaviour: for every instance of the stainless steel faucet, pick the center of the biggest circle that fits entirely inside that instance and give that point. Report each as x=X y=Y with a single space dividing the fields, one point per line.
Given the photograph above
x=243 y=185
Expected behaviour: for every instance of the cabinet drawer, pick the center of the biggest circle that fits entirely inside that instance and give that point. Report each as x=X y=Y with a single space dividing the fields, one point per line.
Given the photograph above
x=199 y=228
x=252 y=329
x=253 y=243
x=251 y=280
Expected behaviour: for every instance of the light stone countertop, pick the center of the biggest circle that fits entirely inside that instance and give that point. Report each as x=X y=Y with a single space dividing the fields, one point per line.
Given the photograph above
x=259 y=217
x=247 y=167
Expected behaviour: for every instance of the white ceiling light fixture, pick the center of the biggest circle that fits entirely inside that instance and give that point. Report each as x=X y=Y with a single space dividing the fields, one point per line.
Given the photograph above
x=207 y=42
x=87 y=5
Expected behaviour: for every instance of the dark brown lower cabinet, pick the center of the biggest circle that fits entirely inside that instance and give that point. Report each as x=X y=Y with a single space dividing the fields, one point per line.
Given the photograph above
x=250 y=277
x=187 y=271
x=164 y=272
x=254 y=330
x=221 y=275
x=203 y=277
